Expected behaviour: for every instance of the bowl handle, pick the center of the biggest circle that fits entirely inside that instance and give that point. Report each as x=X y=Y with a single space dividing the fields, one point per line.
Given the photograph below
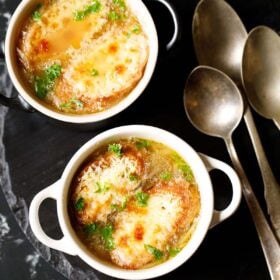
x=219 y=216
x=63 y=243
x=175 y=19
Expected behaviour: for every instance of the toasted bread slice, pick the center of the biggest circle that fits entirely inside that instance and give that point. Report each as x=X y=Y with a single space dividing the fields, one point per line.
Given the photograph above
x=105 y=185
x=141 y=232
x=102 y=59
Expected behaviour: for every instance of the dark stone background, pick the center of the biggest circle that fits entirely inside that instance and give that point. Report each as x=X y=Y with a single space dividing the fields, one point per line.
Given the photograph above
x=37 y=150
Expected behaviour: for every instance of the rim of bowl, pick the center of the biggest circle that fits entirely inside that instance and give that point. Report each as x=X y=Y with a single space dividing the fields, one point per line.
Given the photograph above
x=140 y=10
x=202 y=178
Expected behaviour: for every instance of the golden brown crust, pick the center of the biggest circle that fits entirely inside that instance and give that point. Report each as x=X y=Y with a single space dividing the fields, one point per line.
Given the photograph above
x=136 y=226
x=158 y=218
x=102 y=60
x=98 y=201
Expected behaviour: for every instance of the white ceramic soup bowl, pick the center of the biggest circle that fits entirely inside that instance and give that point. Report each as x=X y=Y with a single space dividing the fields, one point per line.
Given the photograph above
x=200 y=165
x=27 y=98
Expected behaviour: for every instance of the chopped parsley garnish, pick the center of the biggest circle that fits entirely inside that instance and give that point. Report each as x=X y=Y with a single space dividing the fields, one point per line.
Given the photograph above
x=95 y=7
x=165 y=176
x=80 y=204
x=94 y=72
x=120 y=3
x=187 y=172
x=133 y=177
x=118 y=207
x=154 y=251
x=113 y=15
x=107 y=236
x=118 y=10
x=142 y=143
x=91 y=228
x=43 y=84
x=101 y=188
x=72 y=102
x=116 y=149
x=105 y=232
x=174 y=251
x=184 y=167
x=36 y=15
x=142 y=199
x=136 y=29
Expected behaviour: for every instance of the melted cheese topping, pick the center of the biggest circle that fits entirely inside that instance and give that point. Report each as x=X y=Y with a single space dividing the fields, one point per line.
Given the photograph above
x=171 y=210
x=102 y=59
x=136 y=228
x=105 y=183
x=155 y=201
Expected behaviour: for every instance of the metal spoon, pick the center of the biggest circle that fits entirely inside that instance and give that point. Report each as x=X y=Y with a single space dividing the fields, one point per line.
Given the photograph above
x=261 y=71
x=214 y=106
x=219 y=39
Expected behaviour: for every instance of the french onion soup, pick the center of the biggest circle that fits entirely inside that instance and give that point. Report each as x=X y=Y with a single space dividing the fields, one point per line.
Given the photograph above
x=134 y=202
x=82 y=56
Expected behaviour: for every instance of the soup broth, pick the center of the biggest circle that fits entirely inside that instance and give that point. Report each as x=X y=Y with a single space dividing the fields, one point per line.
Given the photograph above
x=134 y=202
x=82 y=56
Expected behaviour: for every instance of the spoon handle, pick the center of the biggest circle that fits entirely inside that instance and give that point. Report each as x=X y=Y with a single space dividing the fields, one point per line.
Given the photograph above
x=271 y=187
x=268 y=241
x=277 y=123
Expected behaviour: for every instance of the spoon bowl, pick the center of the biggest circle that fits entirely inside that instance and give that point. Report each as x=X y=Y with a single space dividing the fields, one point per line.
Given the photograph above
x=219 y=37
x=261 y=72
x=212 y=102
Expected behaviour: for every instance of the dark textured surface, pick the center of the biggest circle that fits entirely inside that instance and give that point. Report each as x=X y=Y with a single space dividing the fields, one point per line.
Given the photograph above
x=37 y=150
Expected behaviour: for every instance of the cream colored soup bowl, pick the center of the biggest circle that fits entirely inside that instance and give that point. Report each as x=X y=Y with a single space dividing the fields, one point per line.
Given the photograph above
x=27 y=98
x=200 y=165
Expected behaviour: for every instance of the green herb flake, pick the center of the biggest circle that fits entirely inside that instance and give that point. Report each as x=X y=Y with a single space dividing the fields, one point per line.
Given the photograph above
x=102 y=188
x=136 y=29
x=133 y=177
x=54 y=71
x=72 y=102
x=116 y=149
x=91 y=228
x=79 y=15
x=113 y=15
x=94 y=72
x=120 y=3
x=184 y=167
x=43 y=84
x=174 y=251
x=78 y=103
x=115 y=207
x=121 y=207
x=154 y=251
x=187 y=172
x=142 y=143
x=107 y=236
x=165 y=176
x=67 y=105
x=142 y=199
x=80 y=204
x=95 y=7
x=36 y=15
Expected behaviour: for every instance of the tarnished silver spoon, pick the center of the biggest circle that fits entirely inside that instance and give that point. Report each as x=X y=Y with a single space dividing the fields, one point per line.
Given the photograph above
x=214 y=106
x=219 y=38
x=261 y=72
